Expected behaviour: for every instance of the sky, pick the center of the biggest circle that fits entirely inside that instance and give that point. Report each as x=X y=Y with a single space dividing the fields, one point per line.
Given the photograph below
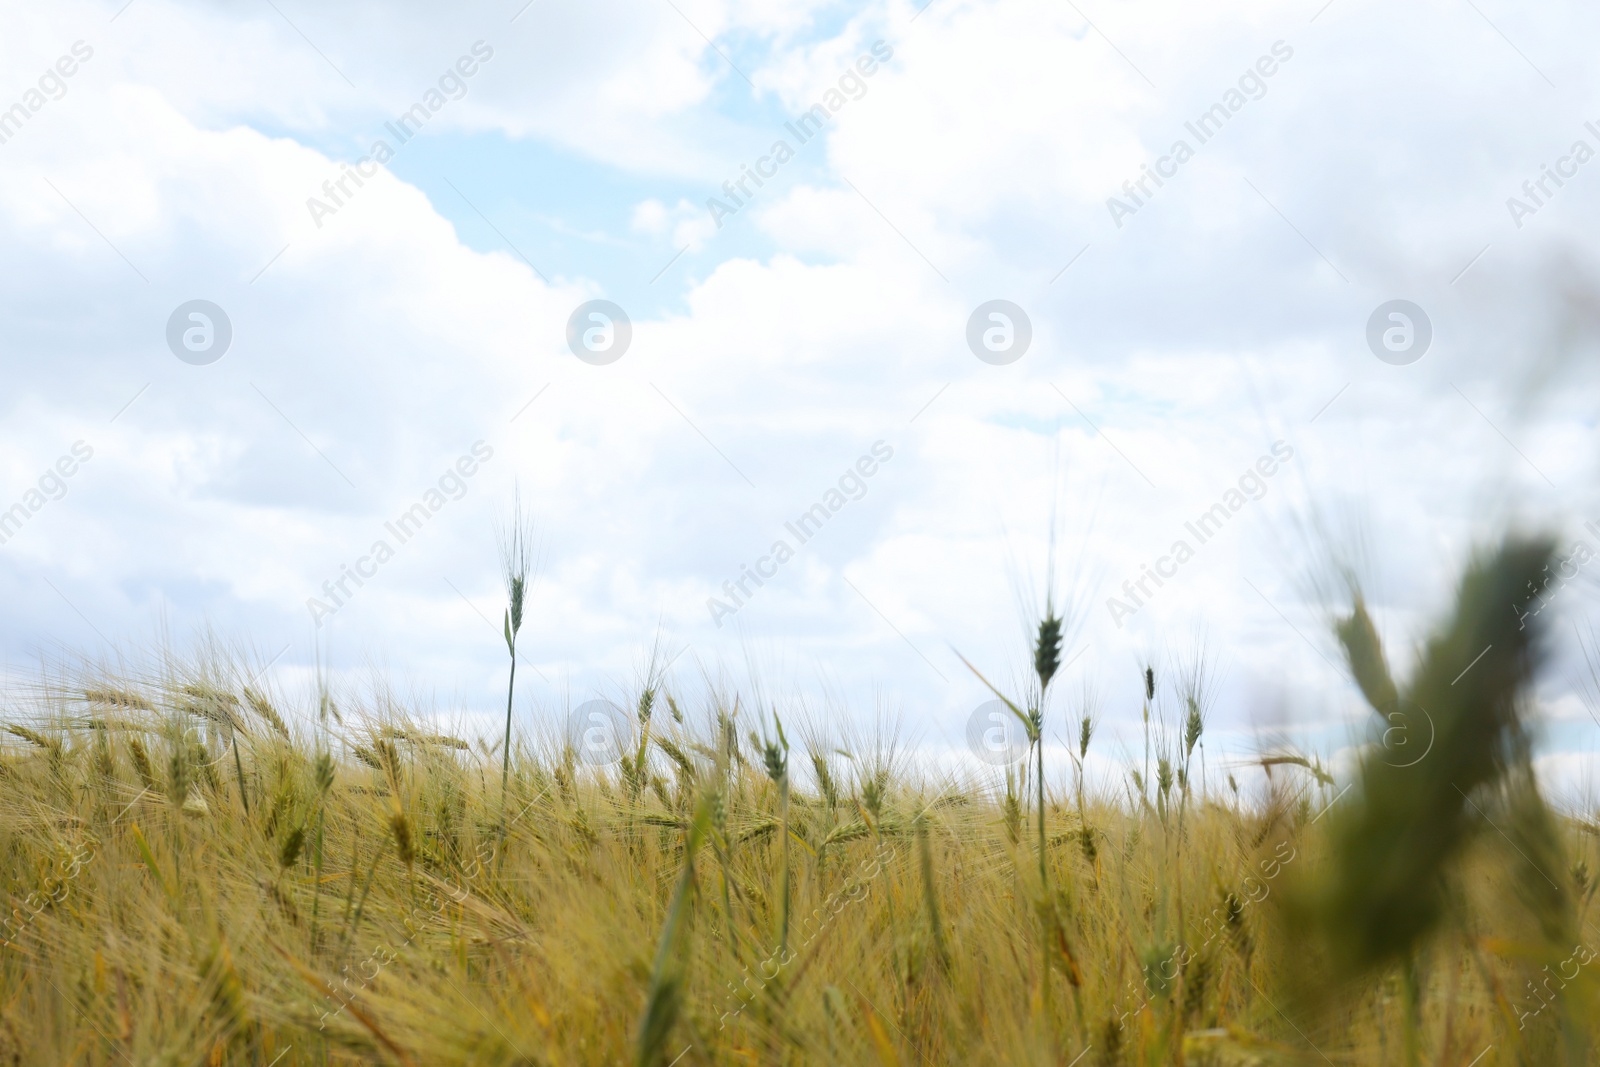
x=1005 y=296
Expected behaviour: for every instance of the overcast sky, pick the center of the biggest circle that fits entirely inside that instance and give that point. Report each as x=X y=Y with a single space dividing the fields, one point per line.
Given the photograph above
x=821 y=336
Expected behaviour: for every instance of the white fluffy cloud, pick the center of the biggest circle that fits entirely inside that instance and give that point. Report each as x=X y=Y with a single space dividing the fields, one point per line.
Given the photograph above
x=1226 y=313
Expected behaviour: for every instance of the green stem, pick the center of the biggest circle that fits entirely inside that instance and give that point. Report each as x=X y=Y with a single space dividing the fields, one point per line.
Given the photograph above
x=316 y=898
x=238 y=765
x=1044 y=876
x=1413 y=1010
x=783 y=929
x=1045 y=903
x=727 y=900
x=505 y=766
x=361 y=903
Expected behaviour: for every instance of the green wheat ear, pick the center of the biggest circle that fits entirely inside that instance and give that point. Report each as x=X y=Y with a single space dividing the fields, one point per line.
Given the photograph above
x=1047 y=650
x=1364 y=651
x=516 y=568
x=1396 y=843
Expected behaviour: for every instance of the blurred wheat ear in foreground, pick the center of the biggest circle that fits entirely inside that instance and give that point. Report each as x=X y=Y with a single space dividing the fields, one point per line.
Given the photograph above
x=1462 y=782
x=204 y=873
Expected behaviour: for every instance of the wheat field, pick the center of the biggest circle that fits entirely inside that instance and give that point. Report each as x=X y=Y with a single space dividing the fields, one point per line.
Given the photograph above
x=204 y=872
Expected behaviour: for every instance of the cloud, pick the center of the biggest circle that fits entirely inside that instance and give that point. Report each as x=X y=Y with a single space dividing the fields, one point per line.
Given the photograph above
x=1228 y=313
